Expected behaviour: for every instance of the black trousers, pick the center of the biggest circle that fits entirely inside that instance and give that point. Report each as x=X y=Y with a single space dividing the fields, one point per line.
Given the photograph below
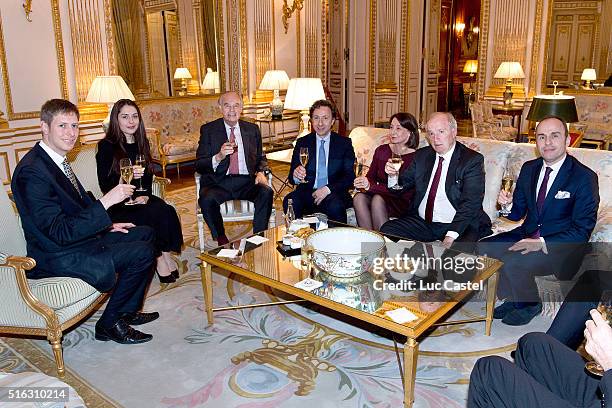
x=133 y=257
x=236 y=188
x=334 y=205
x=568 y=325
x=415 y=228
x=516 y=280
x=546 y=374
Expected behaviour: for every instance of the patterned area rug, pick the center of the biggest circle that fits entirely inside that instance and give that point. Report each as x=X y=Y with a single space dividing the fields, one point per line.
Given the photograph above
x=277 y=356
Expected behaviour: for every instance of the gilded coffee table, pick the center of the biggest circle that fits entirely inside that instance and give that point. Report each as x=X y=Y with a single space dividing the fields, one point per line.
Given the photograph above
x=429 y=290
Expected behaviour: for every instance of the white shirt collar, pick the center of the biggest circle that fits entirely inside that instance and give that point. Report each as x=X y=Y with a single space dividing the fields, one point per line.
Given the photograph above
x=56 y=157
x=447 y=156
x=326 y=137
x=228 y=128
x=557 y=166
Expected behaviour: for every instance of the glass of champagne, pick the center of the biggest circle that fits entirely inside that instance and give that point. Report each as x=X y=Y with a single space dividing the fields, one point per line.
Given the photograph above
x=359 y=169
x=396 y=161
x=140 y=162
x=507 y=183
x=304 y=159
x=605 y=308
x=127 y=174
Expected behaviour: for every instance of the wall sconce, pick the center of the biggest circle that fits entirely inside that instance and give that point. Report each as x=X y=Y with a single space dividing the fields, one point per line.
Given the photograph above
x=27 y=7
x=288 y=11
x=459 y=28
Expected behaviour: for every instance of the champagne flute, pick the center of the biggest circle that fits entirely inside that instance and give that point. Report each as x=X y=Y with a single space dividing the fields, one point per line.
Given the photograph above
x=359 y=169
x=127 y=173
x=303 y=159
x=507 y=183
x=396 y=161
x=605 y=308
x=140 y=162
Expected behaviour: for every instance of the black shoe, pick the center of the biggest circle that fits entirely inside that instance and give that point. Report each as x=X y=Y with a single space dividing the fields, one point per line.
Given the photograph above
x=175 y=274
x=520 y=317
x=502 y=310
x=166 y=279
x=121 y=333
x=137 y=318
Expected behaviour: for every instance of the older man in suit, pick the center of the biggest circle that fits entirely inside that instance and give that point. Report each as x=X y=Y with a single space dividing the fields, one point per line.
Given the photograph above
x=323 y=185
x=449 y=183
x=232 y=165
x=70 y=234
x=558 y=197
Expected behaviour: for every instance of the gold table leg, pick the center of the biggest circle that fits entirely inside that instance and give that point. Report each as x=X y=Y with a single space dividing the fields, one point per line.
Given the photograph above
x=491 y=293
x=411 y=353
x=206 y=271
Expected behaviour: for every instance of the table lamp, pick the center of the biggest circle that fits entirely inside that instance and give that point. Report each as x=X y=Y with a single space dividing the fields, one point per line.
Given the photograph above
x=588 y=75
x=211 y=83
x=183 y=74
x=301 y=94
x=471 y=67
x=275 y=80
x=509 y=70
x=108 y=89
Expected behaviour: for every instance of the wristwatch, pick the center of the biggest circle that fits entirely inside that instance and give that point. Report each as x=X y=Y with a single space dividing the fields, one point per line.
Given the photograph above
x=267 y=172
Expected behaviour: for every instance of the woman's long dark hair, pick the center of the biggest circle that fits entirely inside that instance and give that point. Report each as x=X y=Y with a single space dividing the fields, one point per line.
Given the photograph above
x=115 y=136
x=409 y=122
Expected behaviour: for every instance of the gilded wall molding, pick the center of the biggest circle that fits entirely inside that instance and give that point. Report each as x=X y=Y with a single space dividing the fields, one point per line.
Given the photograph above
x=387 y=46
x=483 y=48
x=311 y=43
x=244 y=49
x=325 y=36
x=61 y=66
x=535 y=51
x=221 y=37
x=298 y=40
x=110 y=38
x=234 y=45
x=404 y=55
x=371 y=60
x=263 y=38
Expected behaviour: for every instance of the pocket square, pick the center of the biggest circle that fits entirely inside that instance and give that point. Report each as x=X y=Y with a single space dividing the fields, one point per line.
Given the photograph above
x=562 y=195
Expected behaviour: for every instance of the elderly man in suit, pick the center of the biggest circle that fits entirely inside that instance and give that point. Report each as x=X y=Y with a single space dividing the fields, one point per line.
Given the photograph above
x=232 y=165
x=70 y=234
x=449 y=183
x=558 y=198
x=323 y=185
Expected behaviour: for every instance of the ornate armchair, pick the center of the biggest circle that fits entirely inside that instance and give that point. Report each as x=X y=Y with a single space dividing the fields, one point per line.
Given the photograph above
x=489 y=130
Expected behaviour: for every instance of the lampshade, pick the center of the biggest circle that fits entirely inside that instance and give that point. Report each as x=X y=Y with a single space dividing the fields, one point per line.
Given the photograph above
x=211 y=80
x=182 y=73
x=588 y=74
x=108 y=89
x=509 y=70
x=561 y=106
x=303 y=92
x=471 y=66
x=274 y=79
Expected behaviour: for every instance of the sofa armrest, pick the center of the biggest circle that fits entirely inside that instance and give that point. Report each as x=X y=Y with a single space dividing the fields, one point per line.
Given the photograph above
x=159 y=186
x=154 y=137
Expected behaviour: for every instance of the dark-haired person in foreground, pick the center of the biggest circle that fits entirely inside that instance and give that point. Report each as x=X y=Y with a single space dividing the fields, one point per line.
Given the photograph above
x=71 y=235
x=546 y=373
x=558 y=198
x=375 y=203
x=323 y=185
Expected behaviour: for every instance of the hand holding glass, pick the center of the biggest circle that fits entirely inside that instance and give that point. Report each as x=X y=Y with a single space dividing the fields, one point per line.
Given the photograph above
x=507 y=183
x=303 y=160
x=359 y=169
x=396 y=161
x=127 y=174
x=605 y=308
x=140 y=162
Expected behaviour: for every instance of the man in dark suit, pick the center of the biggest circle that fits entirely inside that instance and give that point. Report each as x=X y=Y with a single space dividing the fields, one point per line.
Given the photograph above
x=232 y=165
x=323 y=185
x=546 y=374
x=70 y=234
x=558 y=198
x=449 y=183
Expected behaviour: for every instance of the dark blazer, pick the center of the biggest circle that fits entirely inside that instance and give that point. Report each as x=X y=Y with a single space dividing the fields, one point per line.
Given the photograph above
x=212 y=136
x=570 y=219
x=341 y=158
x=465 y=186
x=60 y=227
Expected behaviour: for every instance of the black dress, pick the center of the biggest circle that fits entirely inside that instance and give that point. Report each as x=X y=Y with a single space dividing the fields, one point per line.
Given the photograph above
x=156 y=213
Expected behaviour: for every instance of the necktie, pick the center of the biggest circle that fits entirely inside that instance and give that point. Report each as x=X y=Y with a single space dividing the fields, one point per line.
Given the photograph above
x=431 y=198
x=322 y=166
x=233 y=166
x=541 y=198
x=71 y=176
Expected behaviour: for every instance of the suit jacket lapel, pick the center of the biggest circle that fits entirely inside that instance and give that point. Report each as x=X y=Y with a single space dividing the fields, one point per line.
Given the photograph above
x=59 y=175
x=452 y=168
x=247 y=145
x=560 y=179
x=532 y=197
x=425 y=175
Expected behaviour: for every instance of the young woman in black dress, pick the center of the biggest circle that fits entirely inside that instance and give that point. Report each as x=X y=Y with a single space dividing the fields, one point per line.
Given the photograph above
x=126 y=138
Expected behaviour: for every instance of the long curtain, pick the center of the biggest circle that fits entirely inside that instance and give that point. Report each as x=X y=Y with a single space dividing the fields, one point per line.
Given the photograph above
x=210 y=34
x=128 y=28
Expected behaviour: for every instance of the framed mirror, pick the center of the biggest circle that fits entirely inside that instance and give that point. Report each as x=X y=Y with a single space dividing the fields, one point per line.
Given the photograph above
x=579 y=36
x=152 y=39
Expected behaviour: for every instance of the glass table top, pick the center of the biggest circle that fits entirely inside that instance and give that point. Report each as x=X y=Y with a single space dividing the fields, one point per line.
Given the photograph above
x=426 y=280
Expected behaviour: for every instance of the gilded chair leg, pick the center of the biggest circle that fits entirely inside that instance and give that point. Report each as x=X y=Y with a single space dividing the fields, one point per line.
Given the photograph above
x=164 y=170
x=56 y=346
x=178 y=172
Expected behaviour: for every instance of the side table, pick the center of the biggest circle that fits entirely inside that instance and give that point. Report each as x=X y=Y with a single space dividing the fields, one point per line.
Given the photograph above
x=513 y=110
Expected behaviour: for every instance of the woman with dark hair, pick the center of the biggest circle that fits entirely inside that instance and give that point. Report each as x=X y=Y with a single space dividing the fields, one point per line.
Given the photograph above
x=375 y=204
x=126 y=138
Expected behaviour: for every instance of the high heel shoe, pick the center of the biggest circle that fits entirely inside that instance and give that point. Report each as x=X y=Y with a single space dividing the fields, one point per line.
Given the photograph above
x=175 y=274
x=166 y=279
